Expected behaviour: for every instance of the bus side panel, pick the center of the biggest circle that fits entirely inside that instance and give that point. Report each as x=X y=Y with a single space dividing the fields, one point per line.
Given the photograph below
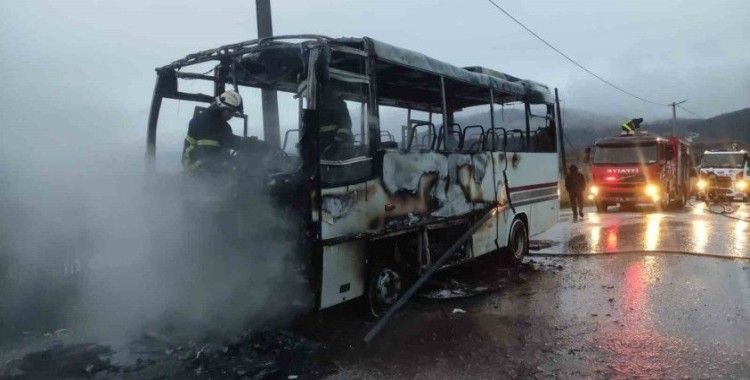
x=353 y=209
x=543 y=216
x=414 y=186
x=533 y=181
x=484 y=240
x=491 y=235
x=532 y=168
x=344 y=273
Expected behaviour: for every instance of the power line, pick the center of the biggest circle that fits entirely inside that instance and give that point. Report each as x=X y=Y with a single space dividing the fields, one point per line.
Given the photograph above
x=691 y=112
x=573 y=61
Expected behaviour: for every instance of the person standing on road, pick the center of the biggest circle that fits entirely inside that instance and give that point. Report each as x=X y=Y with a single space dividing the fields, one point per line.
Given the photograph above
x=575 y=184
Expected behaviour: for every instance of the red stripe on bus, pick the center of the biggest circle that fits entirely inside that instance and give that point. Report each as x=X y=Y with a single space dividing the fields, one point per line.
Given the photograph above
x=532 y=187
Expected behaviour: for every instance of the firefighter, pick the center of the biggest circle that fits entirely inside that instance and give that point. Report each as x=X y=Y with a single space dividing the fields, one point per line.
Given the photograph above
x=209 y=136
x=336 y=139
x=575 y=184
x=632 y=125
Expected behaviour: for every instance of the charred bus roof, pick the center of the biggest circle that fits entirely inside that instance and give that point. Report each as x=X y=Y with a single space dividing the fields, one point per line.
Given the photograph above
x=535 y=91
x=279 y=62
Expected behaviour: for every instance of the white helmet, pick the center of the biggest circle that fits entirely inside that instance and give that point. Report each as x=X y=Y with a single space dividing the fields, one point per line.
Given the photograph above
x=229 y=99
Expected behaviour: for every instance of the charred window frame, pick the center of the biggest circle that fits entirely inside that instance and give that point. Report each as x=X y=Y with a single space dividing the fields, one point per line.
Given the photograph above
x=413 y=91
x=345 y=137
x=541 y=132
x=496 y=138
x=481 y=132
x=245 y=64
x=474 y=121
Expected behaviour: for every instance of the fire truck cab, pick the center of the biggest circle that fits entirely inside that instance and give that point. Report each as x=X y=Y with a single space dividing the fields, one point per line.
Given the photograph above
x=642 y=168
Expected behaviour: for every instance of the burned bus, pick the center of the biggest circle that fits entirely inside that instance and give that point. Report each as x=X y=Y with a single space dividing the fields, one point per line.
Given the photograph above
x=378 y=212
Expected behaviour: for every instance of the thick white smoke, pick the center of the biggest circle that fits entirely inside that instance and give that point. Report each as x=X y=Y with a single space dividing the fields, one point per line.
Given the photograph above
x=90 y=243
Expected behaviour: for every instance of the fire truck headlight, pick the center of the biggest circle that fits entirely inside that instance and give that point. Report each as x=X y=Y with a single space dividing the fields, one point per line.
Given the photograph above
x=594 y=190
x=652 y=190
x=741 y=185
x=702 y=184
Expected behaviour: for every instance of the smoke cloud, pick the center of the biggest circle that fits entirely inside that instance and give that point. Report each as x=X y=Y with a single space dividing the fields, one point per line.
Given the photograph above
x=91 y=243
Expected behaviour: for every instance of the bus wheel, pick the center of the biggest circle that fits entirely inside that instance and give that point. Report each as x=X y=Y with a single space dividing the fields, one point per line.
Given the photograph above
x=384 y=288
x=518 y=242
x=683 y=200
x=601 y=207
x=666 y=202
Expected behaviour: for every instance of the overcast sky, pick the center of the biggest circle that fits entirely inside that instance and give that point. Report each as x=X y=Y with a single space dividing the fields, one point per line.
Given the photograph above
x=88 y=64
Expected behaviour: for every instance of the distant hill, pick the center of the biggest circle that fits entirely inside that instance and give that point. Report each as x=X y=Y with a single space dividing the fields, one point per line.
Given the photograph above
x=718 y=130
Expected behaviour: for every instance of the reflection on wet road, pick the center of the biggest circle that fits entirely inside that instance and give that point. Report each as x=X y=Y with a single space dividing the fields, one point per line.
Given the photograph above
x=693 y=229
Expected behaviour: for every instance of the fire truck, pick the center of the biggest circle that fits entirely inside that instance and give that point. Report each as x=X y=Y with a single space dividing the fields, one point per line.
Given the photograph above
x=642 y=168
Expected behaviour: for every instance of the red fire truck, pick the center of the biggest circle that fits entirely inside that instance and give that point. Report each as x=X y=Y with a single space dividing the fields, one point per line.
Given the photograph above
x=641 y=168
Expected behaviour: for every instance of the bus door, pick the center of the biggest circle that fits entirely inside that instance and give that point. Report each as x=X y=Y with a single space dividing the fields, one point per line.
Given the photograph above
x=346 y=180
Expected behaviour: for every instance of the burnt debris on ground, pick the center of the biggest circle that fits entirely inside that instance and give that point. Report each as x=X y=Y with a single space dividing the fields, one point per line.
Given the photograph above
x=472 y=280
x=62 y=361
x=276 y=354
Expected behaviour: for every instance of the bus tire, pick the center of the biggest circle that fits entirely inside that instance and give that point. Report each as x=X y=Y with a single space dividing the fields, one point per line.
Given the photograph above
x=683 y=200
x=665 y=203
x=518 y=242
x=385 y=285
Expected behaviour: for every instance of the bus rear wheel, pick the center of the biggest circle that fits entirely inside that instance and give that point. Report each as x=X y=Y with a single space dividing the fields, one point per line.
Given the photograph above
x=518 y=242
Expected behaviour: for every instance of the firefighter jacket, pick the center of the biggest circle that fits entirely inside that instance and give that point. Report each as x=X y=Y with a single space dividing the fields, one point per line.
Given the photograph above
x=208 y=141
x=631 y=126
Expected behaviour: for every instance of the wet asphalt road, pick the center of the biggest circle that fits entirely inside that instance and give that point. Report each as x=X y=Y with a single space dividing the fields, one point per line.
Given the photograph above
x=639 y=314
x=694 y=229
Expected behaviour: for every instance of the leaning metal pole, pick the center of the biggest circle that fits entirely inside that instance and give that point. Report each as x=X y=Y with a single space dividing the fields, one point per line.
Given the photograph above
x=271 y=133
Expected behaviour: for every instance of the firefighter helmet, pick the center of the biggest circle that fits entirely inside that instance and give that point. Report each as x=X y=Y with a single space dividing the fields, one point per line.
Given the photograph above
x=229 y=99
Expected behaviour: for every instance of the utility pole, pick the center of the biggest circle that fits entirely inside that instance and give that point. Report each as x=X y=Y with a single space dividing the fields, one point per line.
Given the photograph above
x=674 y=116
x=271 y=133
x=560 y=135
